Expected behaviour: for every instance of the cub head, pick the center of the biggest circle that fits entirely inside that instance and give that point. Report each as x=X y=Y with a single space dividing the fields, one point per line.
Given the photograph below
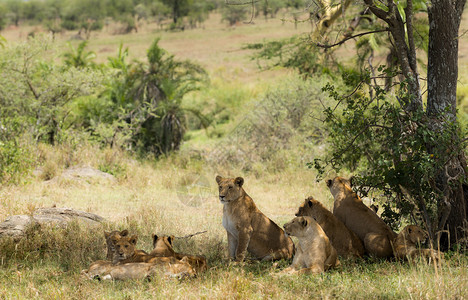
x=124 y=248
x=339 y=185
x=414 y=234
x=183 y=268
x=230 y=189
x=297 y=226
x=111 y=238
x=162 y=245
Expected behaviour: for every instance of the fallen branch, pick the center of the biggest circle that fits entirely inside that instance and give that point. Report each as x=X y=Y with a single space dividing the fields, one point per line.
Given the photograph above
x=190 y=235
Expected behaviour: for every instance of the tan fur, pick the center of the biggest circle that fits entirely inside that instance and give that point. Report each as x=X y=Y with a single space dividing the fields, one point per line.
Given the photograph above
x=111 y=238
x=314 y=252
x=162 y=246
x=248 y=229
x=405 y=244
x=345 y=242
x=125 y=251
x=360 y=219
x=162 y=266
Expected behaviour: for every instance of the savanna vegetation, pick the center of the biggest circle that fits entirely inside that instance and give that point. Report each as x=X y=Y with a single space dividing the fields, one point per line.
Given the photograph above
x=165 y=95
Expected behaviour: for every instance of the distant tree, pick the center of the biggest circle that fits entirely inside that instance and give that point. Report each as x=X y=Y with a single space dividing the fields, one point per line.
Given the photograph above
x=15 y=11
x=234 y=14
x=179 y=8
x=2 y=17
x=198 y=13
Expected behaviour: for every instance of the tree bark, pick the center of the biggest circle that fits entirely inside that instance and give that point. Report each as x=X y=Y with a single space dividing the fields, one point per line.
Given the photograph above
x=442 y=75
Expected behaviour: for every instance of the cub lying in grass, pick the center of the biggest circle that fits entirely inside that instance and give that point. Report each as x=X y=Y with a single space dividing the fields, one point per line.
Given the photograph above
x=162 y=246
x=129 y=263
x=405 y=245
x=163 y=266
x=314 y=252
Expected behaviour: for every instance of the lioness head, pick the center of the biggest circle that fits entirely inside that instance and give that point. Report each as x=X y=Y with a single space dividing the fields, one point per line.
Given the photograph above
x=414 y=234
x=339 y=185
x=297 y=226
x=230 y=189
x=162 y=245
x=124 y=248
x=311 y=208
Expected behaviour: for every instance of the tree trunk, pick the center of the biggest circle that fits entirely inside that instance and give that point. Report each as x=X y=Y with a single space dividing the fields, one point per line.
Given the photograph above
x=444 y=20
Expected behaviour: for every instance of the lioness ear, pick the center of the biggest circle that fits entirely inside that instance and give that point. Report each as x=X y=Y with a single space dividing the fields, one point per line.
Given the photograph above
x=310 y=203
x=409 y=230
x=155 y=238
x=239 y=181
x=218 y=179
x=133 y=239
x=304 y=222
x=170 y=239
x=106 y=234
x=124 y=232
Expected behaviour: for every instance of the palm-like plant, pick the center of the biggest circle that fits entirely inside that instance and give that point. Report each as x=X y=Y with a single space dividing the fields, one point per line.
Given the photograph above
x=78 y=57
x=152 y=98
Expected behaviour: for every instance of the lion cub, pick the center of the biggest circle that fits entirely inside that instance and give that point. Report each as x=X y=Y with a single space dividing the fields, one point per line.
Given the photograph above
x=345 y=242
x=111 y=238
x=248 y=229
x=162 y=246
x=106 y=271
x=314 y=254
x=405 y=244
x=360 y=219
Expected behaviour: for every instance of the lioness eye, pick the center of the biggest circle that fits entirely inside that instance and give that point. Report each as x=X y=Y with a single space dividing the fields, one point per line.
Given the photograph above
x=230 y=187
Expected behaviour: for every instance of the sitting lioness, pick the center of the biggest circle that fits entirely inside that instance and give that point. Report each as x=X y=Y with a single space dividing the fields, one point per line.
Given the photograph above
x=345 y=242
x=360 y=219
x=248 y=229
x=314 y=253
x=405 y=245
x=162 y=246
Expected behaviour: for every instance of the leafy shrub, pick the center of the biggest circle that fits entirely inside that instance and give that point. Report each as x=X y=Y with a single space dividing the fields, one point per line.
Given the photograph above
x=279 y=130
x=388 y=148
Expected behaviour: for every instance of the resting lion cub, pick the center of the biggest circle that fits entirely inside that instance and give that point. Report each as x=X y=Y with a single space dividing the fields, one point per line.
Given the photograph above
x=111 y=238
x=405 y=245
x=104 y=270
x=360 y=219
x=125 y=251
x=345 y=242
x=314 y=254
x=163 y=247
x=248 y=229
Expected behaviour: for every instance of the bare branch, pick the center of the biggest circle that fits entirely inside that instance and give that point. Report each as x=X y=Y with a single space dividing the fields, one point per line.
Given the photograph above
x=351 y=37
x=190 y=235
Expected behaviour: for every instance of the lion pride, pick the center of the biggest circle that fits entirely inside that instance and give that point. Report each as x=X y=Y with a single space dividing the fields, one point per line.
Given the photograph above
x=376 y=236
x=346 y=243
x=248 y=229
